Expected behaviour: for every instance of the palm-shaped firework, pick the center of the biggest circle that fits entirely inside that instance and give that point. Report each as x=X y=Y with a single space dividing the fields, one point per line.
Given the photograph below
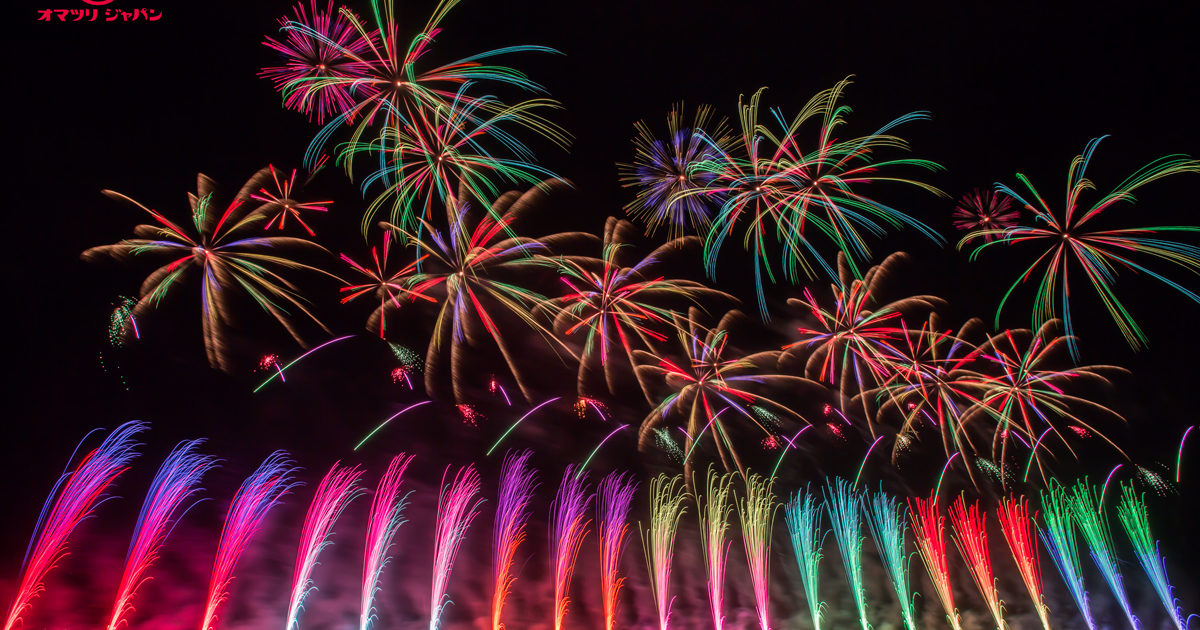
x=849 y=345
x=1071 y=245
x=224 y=249
x=615 y=304
x=713 y=386
x=768 y=183
x=473 y=268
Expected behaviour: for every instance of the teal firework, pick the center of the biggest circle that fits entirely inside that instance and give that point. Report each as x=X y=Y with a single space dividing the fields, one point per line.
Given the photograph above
x=844 y=505
x=885 y=517
x=802 y=514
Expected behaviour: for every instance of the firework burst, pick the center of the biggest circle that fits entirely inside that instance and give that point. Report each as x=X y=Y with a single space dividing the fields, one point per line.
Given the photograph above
x=985 y=210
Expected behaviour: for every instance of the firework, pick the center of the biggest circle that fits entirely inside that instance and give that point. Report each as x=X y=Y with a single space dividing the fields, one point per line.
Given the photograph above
x=517 y=483
x=1059 y=539
x=386 y=285
x=1069 y=244
x=121 y=323
x=757 y=515
x=1089 y=515
x=614 y=496
x=885 y=518
x=803 y=518
x=328 y=47
x=844 y=505
x=279 y=372
x=568 y=527
x=1132 y=512
x=514 y=425
x=606 y=438
x=665 y=173
x=279 y=205
x=667 y=498
x=174 y=484
x=984 y=210
x=613 y=302
x=260 y=492
x=930 y=536
x=1179 y=457
x=713 y=512
x=848 y=345
x=1019 y=528
x=768 y=183
x=711 y=380
x=385 y=422
x=464 y=271
x=337 y=489
x=458 y=505
x=74 y=498
x=970 y=536
x=383 y=521
x=227 y=258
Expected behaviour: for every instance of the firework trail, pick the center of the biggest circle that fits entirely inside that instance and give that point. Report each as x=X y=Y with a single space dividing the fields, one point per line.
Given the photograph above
x=757 y=514
x=174 y=484
x=517 y=483
x=1019 y=528
x=337 y=489
x=844 y=505
x=1089 y=515
x=970 y=536
x=667 y=496
x=384 y=520
x=514 y=425
x=714 y=512
x=260 y=492
x=930 y=536
x=568 y=527
x=279 y=372
x=458 y=505
x=1132 y=512
x=1179 y=457
x=74 y=498
x=885 y=518
x=803 y=518
x=614 y=496
x=1059 y=539
x=1068 y=245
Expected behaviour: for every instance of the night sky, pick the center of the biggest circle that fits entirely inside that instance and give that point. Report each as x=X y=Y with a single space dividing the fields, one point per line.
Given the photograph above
x=140 y=108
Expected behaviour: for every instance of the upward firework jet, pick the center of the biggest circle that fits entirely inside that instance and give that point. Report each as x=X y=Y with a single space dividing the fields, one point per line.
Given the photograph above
x=844 y=505
x=658 y=540
x=1089 y=515
x=757 y=514
x=1132 y=512
x=885 y=517
x=1020 y=530
x=337 y=489
x=458 y=505
x=383 y=521
x=175 y=483
x=614 y=496
x=930 y=535
x=73 y=499
x=517 y=483
x=568 y=528
x=1059 y=539
x=260 y=492
x=713 y=510
x=803 y=518
x=970 y=535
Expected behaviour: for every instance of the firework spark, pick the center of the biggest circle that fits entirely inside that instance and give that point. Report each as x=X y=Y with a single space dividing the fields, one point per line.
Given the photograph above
x=885 y=518
x=970 y=536
x=337 y=489
x=1089 y=515
x=568 y=527
x=1135 y=520
x=1020 y=530
x=458 y=505
x=803 y=518
x=383 y=521
x=1059 y=539
x=517 y=483
x=667 y=496
x=930 y=535
x=614 y=496
x=713 y=511
x=844 y=505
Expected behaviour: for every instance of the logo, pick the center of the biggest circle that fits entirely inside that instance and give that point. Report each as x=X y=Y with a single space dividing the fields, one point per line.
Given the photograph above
x=92 y=12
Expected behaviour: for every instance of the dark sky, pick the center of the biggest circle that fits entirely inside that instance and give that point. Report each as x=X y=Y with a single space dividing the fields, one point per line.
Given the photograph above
x=142 y=107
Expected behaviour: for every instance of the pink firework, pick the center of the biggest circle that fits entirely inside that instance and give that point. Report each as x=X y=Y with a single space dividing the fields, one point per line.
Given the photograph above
x=73 y=499
x=568 y=528
x=386 y=517
x=930 y=535
x=458 y=505
x=983 y=210
x=470 y=415
x=337 y=489
x=319 y=47
x=260 y=492
x=175 y=483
